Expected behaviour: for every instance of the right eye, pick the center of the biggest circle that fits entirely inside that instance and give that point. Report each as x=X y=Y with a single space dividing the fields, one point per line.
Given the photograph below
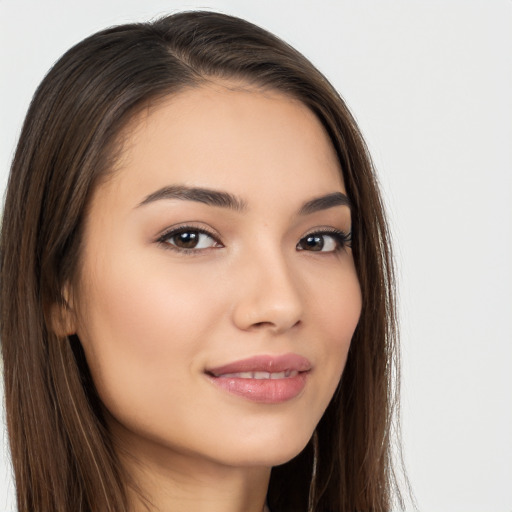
x=187 y=239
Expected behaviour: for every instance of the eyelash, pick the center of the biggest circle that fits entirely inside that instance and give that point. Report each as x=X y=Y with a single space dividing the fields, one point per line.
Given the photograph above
x=164 y=239
x=342 y=239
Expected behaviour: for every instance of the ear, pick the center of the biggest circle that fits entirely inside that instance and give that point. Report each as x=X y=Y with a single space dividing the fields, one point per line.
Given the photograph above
x=63 y=318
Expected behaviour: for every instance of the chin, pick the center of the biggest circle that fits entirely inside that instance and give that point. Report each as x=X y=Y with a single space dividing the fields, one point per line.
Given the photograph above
x=270 y=450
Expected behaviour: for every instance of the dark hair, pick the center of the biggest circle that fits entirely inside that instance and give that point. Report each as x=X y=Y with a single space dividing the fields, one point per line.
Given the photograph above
x=62 y=453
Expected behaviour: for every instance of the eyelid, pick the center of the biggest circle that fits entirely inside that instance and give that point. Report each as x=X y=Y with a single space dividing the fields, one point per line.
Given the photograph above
x=192 y=225
x=329 y=231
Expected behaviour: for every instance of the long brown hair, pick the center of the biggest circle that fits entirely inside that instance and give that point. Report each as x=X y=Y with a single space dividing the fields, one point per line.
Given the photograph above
x=62 y=452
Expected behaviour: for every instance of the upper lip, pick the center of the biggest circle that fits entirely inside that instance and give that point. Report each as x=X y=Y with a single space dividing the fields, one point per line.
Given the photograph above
x=264 y=363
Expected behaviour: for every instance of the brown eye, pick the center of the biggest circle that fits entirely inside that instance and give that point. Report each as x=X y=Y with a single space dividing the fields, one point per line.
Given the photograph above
x=312 y=243
x=186 y=239
x=326 y=241
x=189 y=239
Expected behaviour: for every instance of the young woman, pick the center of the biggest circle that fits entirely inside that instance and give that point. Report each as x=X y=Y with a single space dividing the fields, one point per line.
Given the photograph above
x=196 y=282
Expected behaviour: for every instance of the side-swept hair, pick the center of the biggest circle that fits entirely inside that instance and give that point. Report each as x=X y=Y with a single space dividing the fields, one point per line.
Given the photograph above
x=62 y=453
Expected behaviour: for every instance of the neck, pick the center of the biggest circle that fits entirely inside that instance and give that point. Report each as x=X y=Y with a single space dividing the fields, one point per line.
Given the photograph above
x=174 y=482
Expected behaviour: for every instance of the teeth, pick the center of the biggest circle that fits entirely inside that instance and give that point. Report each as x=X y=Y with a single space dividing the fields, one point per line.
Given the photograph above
x=260 y=375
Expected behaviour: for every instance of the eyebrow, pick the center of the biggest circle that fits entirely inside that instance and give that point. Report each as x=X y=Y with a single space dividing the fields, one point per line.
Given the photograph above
x=324 y=203
x=200 y=195
x=226 y=200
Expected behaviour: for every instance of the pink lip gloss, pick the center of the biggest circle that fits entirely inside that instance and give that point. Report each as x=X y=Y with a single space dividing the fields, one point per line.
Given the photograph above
x=265 y=379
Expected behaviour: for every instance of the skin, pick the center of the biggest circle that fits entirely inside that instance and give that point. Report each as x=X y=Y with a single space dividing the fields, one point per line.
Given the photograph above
x=152 y=318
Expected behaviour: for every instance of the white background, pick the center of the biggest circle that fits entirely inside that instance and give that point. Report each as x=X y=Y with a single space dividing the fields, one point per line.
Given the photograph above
x=430 y=83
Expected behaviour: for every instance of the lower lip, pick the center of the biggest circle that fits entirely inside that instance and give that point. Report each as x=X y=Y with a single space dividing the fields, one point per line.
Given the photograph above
x=267 y=391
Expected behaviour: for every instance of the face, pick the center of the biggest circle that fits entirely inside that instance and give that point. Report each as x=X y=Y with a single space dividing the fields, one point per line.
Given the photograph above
x=218 y=294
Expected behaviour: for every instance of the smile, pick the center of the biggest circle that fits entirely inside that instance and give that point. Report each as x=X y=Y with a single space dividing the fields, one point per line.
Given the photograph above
x=260 y=375
x=263 y=379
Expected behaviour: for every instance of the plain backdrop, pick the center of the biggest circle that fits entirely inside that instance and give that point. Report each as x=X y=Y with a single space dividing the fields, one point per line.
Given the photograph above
x=430 y=83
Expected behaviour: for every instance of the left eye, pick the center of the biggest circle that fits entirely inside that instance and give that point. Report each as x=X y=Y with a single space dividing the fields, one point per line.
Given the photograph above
x=323 y=242
x=189 y=239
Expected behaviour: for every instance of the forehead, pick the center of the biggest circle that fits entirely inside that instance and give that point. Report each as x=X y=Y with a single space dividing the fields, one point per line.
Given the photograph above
x=228 y=136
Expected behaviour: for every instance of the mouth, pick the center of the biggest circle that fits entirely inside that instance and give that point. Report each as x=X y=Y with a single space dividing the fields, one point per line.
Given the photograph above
x=264 y=379
x=258 y=375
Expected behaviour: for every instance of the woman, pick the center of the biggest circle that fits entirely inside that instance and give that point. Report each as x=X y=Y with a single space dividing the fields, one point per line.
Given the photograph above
x=197 y=291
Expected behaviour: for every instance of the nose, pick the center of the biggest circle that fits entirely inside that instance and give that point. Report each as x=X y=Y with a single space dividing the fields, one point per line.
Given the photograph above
x=268 y=296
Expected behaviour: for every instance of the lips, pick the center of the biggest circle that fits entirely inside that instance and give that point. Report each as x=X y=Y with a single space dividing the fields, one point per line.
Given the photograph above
x=260 y=375
x=264 y=379
x=264 y=363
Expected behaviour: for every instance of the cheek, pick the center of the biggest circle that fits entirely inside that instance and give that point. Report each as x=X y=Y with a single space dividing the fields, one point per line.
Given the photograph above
x=141 y=329
x=336 y=311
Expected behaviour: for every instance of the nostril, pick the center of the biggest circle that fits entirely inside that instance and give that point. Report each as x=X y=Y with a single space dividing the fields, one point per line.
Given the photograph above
x=261 y=325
